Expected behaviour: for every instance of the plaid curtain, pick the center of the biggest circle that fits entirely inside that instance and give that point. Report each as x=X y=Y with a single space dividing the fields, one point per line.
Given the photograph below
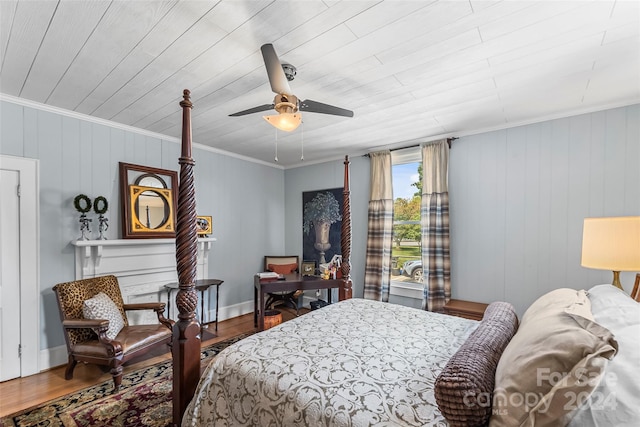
x=377 y=275
x=434 y=211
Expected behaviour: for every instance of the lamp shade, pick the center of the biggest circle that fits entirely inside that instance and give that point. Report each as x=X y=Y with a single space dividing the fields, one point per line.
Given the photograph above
x=285 y=121
x=611 y=243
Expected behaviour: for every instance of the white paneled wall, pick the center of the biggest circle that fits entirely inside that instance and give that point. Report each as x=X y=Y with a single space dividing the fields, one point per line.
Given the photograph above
x=80 y=155
x=519 y=197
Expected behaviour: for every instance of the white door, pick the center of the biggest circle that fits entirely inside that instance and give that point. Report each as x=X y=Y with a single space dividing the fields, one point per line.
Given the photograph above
x=9 y=275
x=19 y=268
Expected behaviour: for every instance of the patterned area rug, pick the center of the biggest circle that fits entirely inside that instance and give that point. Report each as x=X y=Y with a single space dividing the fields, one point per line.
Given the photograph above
x=144 y=399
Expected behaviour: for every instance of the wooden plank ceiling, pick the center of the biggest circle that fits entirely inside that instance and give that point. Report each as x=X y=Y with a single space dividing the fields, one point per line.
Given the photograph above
x=411 y=71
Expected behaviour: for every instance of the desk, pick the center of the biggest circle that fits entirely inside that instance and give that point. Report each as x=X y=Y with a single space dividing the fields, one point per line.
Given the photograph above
x=291 y=282
x=201 y=285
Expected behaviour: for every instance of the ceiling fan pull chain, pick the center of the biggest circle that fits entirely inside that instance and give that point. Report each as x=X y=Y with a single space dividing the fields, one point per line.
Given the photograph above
x=276 y=158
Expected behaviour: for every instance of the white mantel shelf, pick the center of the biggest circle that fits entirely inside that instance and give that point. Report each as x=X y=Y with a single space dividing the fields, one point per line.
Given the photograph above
x=133 y=242
x=89 y=253
x=142 y=266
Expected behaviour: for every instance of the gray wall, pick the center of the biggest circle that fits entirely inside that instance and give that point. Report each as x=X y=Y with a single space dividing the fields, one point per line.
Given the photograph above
x=320 y=177
x=518 y=198
x=76 y=156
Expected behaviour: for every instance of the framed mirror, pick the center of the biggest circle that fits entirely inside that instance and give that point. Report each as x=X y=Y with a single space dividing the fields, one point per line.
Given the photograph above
x=148 y=201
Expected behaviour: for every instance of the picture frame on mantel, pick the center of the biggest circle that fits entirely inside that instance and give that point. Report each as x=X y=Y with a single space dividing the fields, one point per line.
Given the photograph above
x=148 y=198
x=204 y=225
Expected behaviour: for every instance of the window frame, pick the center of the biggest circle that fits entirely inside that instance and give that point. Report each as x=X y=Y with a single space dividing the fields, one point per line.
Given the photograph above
x=407 y=289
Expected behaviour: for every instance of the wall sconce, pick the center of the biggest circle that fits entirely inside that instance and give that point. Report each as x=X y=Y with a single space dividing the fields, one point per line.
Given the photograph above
x=612 y=243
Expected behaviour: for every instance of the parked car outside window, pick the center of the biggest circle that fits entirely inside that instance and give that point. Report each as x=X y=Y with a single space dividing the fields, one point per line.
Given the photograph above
x=413 y=269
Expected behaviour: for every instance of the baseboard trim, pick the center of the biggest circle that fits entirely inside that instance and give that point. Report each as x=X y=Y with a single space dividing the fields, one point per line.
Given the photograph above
x=53 y=357
x=231 y=311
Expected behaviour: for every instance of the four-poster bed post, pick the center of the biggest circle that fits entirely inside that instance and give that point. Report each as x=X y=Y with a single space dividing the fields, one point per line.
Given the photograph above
x=345 y=237
x=186 y=331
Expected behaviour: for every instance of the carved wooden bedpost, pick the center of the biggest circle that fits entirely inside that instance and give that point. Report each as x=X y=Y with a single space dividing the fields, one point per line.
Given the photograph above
x=345 y=239
x=186 y=331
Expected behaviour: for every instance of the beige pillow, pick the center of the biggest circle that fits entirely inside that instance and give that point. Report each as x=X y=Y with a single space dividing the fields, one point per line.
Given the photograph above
x=552 y=363
x=102 y=307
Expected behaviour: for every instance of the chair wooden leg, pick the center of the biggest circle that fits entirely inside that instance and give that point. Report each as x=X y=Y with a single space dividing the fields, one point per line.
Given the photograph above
x=294 y=304
x=71 y=365
x=116 y=372
x=270 y=300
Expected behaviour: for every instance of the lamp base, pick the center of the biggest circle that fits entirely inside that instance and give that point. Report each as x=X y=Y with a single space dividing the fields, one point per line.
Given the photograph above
x=616 y=280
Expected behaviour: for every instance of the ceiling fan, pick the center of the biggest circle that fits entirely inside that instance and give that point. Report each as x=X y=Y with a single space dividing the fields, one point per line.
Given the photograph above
x=285 y=102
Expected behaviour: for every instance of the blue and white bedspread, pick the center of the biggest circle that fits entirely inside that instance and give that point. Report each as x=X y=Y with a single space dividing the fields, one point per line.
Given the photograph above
x=354 y=363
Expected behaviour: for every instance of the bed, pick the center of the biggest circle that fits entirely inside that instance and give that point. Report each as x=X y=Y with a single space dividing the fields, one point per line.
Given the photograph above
x=395 y=365
x=302 y=373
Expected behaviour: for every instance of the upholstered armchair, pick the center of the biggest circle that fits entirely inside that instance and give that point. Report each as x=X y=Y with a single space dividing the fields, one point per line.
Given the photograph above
x=282 y=265
x=96 y=328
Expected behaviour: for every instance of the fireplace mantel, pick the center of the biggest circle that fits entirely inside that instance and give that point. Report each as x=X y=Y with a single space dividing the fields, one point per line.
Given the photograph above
x=142 y=266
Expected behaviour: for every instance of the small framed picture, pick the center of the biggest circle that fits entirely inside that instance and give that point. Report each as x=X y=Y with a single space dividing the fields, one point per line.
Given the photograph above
x=203 y=225
x=308 y=268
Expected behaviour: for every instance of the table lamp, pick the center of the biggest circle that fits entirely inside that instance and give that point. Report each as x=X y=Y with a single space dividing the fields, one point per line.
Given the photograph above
x=612 y=243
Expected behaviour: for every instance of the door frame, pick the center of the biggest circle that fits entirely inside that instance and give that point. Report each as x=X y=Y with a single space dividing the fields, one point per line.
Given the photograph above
x=29 y=170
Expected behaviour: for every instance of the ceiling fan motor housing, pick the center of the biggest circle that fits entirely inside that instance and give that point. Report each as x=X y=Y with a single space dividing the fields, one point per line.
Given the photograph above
x=285 y=103
x=290 y=71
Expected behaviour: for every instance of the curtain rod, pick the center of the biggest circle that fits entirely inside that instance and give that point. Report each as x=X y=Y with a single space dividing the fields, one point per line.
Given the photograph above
x=449 y=141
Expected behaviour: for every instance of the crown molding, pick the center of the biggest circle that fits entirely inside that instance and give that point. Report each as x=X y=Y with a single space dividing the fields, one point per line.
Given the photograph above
x=85 y=117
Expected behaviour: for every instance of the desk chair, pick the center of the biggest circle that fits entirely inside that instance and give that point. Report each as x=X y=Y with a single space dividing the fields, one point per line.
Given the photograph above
x=282 y=265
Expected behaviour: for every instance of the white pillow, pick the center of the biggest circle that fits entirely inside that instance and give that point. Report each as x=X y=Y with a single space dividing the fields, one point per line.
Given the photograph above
x=102 y=307
x=614 y=402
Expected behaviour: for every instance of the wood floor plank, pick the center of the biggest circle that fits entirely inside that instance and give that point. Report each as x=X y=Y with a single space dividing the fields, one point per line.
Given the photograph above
x=23 y=393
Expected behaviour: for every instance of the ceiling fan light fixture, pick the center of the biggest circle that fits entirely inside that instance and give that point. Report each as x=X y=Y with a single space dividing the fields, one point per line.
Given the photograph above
x=287 y=122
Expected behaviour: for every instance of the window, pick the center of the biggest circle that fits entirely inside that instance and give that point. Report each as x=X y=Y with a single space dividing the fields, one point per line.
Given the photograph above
x=406 y=263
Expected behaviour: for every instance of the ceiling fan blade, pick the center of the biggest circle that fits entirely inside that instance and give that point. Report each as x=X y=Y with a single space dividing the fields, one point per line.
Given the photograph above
x=319 y=107
x=277 y=79
x=257 y=109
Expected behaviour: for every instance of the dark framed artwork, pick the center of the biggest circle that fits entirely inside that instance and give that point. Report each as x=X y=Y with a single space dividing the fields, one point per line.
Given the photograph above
x=321 y=224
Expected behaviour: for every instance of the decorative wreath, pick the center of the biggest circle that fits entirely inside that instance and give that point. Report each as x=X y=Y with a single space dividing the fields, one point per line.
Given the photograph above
x=77 y=203
x=100 y=205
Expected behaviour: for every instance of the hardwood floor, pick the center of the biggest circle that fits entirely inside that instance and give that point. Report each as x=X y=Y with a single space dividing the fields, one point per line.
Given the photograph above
x=23 y=393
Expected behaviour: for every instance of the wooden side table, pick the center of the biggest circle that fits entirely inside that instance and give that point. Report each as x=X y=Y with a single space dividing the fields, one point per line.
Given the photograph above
x=201 y=285
x=467 y=309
